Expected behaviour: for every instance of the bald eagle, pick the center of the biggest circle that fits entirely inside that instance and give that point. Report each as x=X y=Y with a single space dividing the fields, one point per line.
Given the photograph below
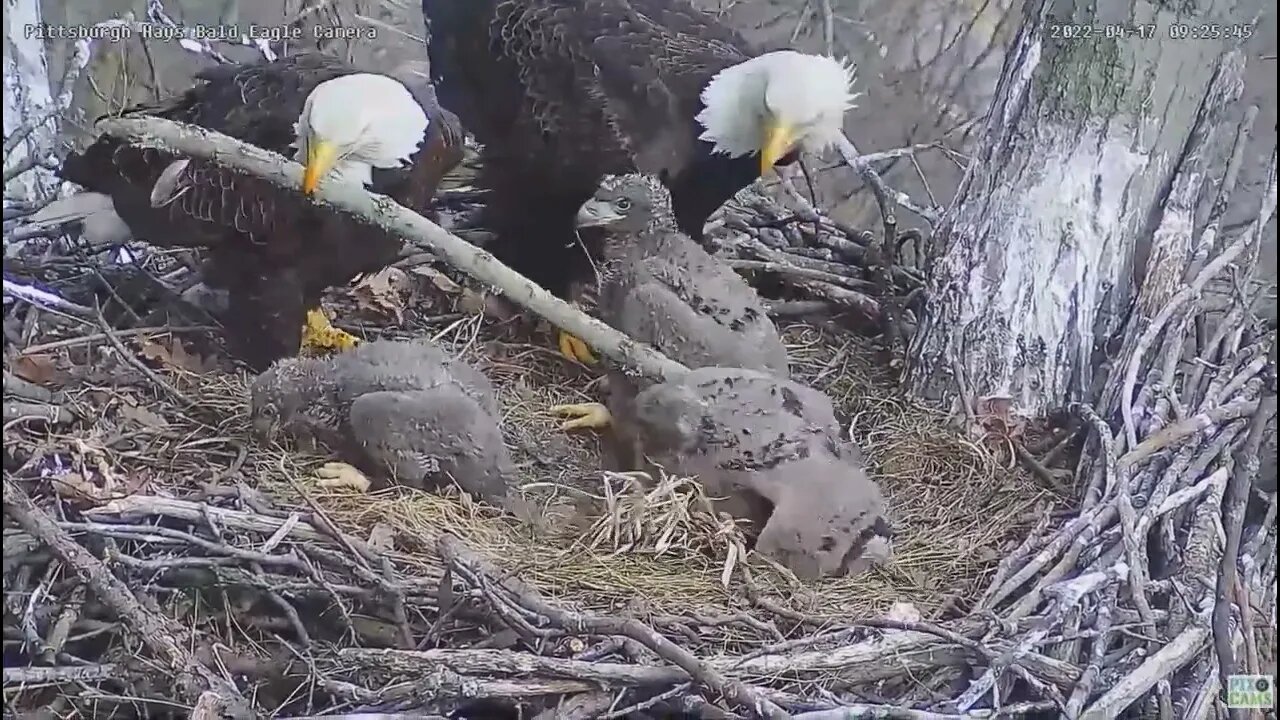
x=273 y=250
x=563 y=92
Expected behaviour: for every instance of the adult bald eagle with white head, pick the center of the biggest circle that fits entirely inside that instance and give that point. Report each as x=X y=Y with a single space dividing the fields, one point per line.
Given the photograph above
x=564 y=92
x=273 y=250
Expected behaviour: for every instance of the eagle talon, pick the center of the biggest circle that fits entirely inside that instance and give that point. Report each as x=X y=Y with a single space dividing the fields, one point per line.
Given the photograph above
x=574 y=349
x=341 y=475
x=588 y=415
x=318 y=334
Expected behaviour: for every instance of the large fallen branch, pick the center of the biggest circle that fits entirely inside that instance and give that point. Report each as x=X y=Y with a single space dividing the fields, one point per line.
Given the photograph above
x=195 y=142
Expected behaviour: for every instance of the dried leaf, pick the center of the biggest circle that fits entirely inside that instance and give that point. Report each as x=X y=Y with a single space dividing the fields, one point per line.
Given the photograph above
x=384 y=292
x=382 y=537
x=730 y=564
x=183 y=360
x=154 y=351
x=442 y=282
x=996 y=406
x=903 y=612
x=523 y=390
x=472 y=302
x=174 y=355
x=77 y=489
x=39 y=369
x=143 y=416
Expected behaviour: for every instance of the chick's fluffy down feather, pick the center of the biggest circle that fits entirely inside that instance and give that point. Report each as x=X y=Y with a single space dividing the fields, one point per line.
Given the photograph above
x=406 y=411
x=772 y=449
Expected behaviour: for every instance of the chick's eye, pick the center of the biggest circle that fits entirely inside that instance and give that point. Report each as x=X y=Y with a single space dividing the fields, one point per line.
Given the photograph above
x=623 y=204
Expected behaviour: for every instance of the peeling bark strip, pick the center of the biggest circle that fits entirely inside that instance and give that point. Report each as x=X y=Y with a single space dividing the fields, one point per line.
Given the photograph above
x=1041 y=251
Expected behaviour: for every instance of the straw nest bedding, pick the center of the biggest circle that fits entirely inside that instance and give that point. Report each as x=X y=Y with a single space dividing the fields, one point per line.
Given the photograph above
x=957 y=510
x=648 y=548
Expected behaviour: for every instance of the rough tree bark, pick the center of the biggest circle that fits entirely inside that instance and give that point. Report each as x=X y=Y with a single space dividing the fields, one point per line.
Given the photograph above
x=1042 y=253
x=26 y=93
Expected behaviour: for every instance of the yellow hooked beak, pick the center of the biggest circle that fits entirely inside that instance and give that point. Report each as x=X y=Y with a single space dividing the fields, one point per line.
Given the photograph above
x=779 y=138
x=321 y=155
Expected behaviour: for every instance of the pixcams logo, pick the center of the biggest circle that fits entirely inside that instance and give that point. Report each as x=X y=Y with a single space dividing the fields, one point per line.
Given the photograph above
x=1251 y=691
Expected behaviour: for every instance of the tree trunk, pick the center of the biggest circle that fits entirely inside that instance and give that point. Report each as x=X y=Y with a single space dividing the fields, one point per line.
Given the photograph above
x=1042 y=254
x=26 y=92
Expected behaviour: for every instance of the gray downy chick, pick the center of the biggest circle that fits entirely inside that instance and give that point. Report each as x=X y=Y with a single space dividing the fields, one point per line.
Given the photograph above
x=660 y=287
x=402 y=410
x=772 y=449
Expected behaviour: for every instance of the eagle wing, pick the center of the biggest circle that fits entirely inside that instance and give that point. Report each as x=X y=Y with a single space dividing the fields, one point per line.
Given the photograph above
x=644 y=61
x=256 y=103
x=442 y=150
x=255 y=229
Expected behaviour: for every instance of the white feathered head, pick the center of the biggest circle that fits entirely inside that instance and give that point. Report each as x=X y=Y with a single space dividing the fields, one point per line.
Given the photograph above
x=354 y=123
x=776 y=103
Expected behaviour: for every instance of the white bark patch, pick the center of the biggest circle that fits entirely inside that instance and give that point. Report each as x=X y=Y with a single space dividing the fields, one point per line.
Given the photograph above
x=1051 y=247
x=26 y=94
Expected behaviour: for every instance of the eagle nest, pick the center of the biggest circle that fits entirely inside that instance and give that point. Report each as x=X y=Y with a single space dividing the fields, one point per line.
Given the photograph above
x=156 y=556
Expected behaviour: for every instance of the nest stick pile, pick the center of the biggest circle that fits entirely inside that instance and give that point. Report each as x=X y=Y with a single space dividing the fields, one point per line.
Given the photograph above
x=180 y=566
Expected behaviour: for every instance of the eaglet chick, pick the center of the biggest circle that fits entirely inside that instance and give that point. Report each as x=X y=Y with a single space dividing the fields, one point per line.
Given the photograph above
x=771 y=447
x=406 y=410
x=661 y=288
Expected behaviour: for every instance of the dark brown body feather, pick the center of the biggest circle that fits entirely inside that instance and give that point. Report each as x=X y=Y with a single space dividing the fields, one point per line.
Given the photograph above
x=273 y=250
x=562 y=92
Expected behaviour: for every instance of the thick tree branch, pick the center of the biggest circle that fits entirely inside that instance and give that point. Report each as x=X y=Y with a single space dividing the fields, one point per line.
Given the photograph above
x=195 y=142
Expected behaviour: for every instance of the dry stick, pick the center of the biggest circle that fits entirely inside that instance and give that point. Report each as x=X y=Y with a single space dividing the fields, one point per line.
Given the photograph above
x=1166 y=661
x=190 y=141
x=856 y=711
x=163 y=636
x=1208 y=240
x=849 y=153
x=1107 y=449
x=1034 y=540
x=61 y=674
x=133 y=360
x=1189 y=293
x=1069 y=594
x=1097 y=654
x=1180 y=431
x=1135 y=550
x=492 y=663
x=498 y=663
x=17 y=136
x=130 y=332
x=787 y=269
x=734 y=691
x=888 y=201
x=61 y=629
x=22 y=411
x=1234 y=500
